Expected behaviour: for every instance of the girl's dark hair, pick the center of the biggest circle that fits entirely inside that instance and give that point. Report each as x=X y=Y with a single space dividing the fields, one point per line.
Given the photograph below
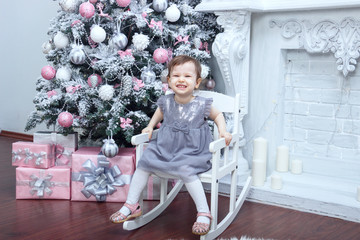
x=181 y=59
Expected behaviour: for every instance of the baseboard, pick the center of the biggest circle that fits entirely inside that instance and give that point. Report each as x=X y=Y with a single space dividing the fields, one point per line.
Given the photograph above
x=16 y=135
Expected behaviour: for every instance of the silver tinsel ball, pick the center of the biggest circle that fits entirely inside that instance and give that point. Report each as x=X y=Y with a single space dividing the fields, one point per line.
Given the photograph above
x=160 y=5
x=204 y=71
x=61 y=40
x=106 y=92
x=77 y=54
x=110 y=149
x=140 y=41
x=68 y=5
x=126 y=85
x=118 y=41
x=147 y=75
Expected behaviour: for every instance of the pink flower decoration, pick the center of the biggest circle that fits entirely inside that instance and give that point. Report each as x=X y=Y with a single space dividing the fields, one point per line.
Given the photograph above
x=72 y=89
x=182 y=39
x=138 y=84
x=154 y=24
x=51 y=93
x=125 y=53
x=125 y=122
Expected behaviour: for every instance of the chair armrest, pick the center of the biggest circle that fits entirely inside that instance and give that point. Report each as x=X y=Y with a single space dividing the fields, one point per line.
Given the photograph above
x=140 y=138
x=220 y=143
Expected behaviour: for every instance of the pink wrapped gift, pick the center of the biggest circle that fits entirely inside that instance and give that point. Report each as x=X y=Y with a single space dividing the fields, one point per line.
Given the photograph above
x=65 y=145
x=152 y=190
x=51 y=183
x=97 y=178
x=28 y=154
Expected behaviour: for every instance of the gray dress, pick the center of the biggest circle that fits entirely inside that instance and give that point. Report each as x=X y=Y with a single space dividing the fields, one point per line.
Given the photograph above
x=182 y=146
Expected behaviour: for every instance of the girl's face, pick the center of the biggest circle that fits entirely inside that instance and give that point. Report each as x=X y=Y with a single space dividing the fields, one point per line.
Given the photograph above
x=183 y=79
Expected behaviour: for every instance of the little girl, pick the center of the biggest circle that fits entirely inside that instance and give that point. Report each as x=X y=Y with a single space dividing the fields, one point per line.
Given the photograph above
x=182 y=145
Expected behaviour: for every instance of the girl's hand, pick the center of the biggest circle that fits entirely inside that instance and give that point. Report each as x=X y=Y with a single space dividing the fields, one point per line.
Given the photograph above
x=227 y=137
x=148 y=130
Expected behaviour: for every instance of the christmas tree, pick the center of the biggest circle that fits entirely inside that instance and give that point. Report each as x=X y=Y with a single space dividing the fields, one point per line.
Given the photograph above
x=108 y=63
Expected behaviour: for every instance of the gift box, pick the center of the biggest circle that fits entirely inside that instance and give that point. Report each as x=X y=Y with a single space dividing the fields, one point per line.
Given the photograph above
x=97 y=178
x=51 y=183
x=65 y=145
x=29 y=154
x=152 y=189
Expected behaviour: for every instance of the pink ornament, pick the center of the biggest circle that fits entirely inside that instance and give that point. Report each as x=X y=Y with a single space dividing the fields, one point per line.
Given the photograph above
x=48 y=72
x=65 y=119
x=87 y=10
x=76 y=22
x=123 y=3
x=160 y=55
x=93 y=1
x=94 y=80
x=210 y=84
x=158 y=125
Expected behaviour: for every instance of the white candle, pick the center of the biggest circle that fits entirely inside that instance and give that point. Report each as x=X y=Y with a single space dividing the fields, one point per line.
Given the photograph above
x=260 y=148
x=282 y=159
x=358 y=193
x=258 y=172
x=296 y=166
x=276 y=182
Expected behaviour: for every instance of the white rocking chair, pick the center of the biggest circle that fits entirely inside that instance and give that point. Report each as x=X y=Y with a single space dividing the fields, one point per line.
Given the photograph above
x=220 y=168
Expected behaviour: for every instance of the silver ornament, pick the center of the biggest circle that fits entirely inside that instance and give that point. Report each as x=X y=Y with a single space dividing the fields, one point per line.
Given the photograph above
x=119 y=41
x=147 y=75
x=110 y=149
x=210 y=84
x=77 y=54
x=160 y=5
x=68 y=5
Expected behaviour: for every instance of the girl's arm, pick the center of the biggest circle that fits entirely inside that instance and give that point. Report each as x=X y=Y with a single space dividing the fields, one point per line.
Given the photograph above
x=219 y=120
x=156 y=118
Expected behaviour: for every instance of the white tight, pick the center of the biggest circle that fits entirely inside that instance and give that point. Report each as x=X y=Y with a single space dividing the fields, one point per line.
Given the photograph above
x=194 y=188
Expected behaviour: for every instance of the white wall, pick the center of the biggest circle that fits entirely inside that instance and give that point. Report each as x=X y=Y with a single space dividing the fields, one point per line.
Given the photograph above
x=24 y=29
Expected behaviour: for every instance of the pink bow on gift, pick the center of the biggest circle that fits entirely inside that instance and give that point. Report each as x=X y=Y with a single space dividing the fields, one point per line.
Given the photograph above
x=125 y=53
x=51 y=93
x=72 y=89
x=204 y=46
x=60 y=152
x=125 y=122
x=138 y=84
x=158 y=24
x=100 y=6
x=182 y=39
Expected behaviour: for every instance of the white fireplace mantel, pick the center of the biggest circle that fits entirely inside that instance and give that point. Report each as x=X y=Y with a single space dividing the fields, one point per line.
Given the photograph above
x=255 y=54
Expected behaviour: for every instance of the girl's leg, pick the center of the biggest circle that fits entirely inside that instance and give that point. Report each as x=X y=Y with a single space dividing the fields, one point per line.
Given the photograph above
x=197 y=193
x=137 y=185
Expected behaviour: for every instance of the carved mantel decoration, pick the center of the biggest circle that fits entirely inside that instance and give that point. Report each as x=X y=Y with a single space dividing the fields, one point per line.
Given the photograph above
x=342 y=39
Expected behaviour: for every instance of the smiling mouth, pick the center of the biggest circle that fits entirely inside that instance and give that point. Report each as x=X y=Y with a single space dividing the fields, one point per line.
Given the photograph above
x=181 y=86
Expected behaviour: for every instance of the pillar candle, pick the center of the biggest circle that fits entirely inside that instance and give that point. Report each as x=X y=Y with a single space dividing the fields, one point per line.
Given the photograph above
x=296 y=166
x=276 y=182
x=258 y=172
x=282 y=158
x=260 y=148
x=358 y=193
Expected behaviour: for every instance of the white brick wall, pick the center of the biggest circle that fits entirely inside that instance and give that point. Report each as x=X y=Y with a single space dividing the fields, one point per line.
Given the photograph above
x=321 y=108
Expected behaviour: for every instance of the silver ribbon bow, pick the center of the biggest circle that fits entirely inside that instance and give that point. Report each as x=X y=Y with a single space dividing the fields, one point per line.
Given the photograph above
x=41 y=184
x=100 y=180
x=28 y=155
x=16 y=155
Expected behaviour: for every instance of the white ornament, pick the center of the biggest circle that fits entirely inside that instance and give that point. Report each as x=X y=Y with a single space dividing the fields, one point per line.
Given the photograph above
x=164 y=75
x=119 y=41
x=97 y=34
x=63 y=74
x=46 y=47
x=61 y=40
x=204 y=71
x=68 y=5
x=106 y=92
x=160 y=5
x=172 y=14
x=140 y=41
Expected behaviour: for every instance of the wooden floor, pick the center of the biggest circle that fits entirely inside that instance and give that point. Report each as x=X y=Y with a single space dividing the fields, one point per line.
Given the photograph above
x=58 y=219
